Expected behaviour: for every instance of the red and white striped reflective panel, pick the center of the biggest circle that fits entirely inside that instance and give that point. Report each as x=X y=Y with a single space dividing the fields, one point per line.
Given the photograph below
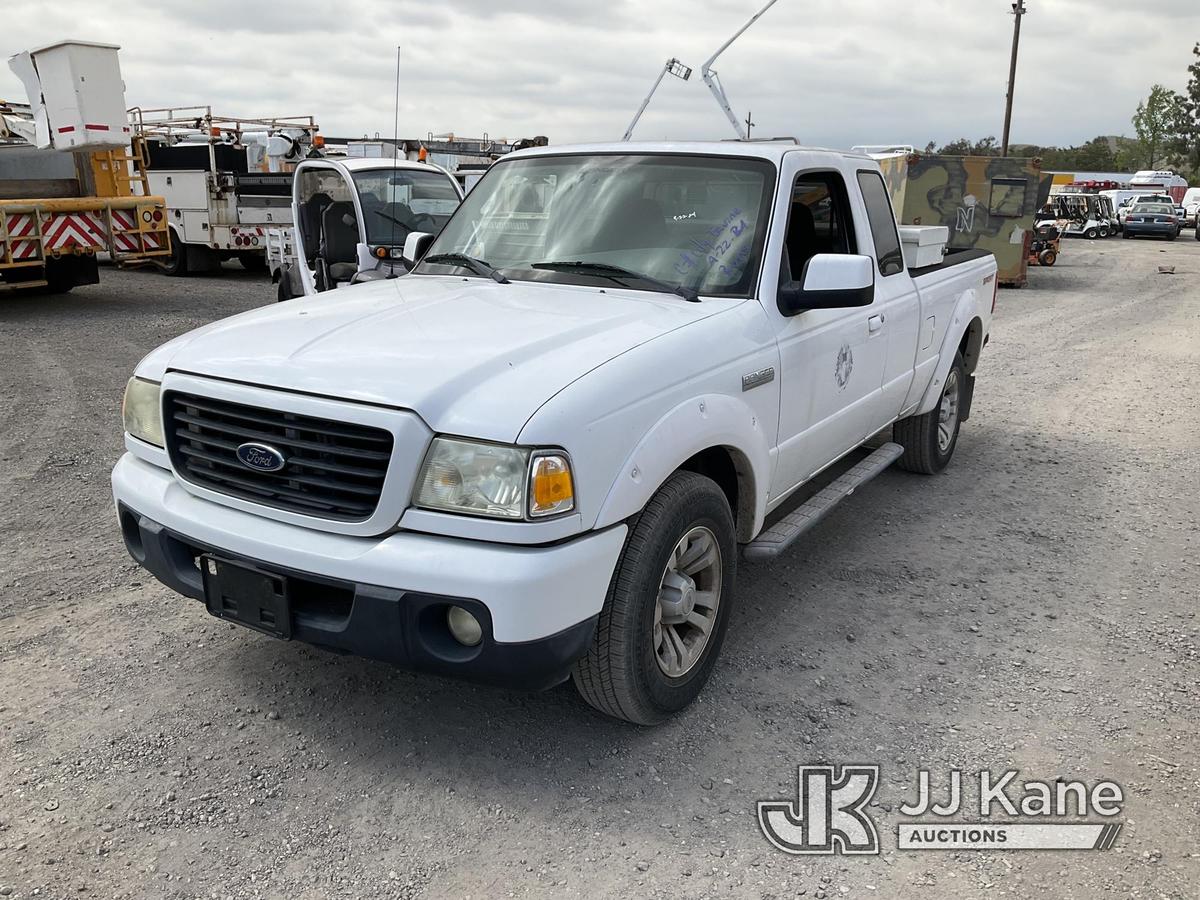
x=21 y=225
x=123 y=220
x=24 y=249
x=125 y=241
x=150 y=239
x=75 y=229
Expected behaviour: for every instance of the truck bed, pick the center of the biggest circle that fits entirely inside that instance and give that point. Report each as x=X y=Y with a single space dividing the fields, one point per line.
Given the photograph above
x=951 y=259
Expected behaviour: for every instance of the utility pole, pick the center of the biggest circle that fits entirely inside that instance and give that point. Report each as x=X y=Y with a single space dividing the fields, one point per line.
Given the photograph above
x=749 y=124
x=1018 y=11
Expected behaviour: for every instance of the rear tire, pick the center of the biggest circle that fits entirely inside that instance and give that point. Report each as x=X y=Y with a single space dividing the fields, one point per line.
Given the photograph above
x=929 y=440
x=1048 y=257
x=253 y=262
x=176 y=264
x=648 y=658
x=1091 y=234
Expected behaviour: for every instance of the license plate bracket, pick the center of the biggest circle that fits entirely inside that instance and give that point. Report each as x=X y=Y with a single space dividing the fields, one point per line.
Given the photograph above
x=247 y=595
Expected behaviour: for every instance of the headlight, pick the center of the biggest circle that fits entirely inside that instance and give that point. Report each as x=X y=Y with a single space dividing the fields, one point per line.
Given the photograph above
x=142 y=412
x=495 y=480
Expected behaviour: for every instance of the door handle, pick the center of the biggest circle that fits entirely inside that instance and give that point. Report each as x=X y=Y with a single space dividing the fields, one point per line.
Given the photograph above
x=875 y=323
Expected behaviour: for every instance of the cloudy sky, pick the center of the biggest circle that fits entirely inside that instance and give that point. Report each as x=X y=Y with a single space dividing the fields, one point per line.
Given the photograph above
x=833 y=72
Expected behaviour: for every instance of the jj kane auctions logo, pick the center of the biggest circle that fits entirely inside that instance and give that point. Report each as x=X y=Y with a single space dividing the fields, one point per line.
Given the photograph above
x=829 y=814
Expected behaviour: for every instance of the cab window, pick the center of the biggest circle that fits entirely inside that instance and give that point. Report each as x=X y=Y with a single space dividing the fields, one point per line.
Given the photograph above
x=883 y=223
x=819 y=221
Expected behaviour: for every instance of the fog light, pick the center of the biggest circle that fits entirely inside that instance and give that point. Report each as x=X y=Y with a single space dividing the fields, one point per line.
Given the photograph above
x=464 y=626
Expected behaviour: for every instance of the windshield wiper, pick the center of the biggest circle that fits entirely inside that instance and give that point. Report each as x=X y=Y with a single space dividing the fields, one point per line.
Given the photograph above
x=617 y=273
x=478 y=266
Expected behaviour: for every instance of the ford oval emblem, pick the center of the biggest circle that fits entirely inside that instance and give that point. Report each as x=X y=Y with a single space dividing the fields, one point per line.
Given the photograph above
x=260 y=457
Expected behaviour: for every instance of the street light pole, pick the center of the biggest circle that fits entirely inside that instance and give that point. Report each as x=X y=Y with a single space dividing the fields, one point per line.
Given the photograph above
x=1018 y=11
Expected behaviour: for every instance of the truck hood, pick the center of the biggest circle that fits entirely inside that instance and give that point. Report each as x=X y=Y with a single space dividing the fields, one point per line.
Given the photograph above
x=471 y=357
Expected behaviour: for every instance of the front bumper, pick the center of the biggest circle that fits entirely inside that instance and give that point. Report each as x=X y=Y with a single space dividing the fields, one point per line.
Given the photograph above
x=385 y=597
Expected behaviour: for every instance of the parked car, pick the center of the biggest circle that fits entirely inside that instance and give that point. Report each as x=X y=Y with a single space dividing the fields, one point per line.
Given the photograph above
x=1154 y=219
x=539 y=454
x=1191 y=206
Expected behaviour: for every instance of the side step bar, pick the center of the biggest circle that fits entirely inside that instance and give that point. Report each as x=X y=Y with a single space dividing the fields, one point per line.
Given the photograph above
x=776 y=539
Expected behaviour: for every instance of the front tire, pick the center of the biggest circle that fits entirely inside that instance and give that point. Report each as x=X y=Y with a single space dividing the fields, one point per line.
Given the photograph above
x=929 y=440
x=1048 y=257
x=668 y=605
x=1091 y=234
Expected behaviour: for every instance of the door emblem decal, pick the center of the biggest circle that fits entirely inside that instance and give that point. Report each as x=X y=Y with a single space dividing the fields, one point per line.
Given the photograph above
x=843 y=367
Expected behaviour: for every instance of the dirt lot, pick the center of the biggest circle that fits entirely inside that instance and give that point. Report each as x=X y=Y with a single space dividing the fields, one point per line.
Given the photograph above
x=1035 y=607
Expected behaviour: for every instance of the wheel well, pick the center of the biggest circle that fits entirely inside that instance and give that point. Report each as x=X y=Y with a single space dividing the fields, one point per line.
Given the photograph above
x=971 y=345
x=732 y=473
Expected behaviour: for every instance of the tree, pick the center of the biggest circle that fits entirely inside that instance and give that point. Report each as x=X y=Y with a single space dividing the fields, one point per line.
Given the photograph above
x=1187 y=119
x=1154 y=122
x=1095 y=156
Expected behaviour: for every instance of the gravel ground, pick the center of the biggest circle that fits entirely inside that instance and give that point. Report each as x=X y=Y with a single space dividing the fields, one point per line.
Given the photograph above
x=1034 y=607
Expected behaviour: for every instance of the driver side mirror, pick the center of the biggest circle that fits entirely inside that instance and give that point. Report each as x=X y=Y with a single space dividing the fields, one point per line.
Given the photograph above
x=415 y=246
x=830 y=281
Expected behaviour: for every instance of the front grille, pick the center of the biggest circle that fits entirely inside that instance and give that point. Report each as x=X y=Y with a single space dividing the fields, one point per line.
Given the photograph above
x=334 y=470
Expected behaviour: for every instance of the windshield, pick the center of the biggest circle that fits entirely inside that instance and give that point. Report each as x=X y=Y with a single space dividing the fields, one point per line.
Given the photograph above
x=416 y=200
x=697 y=222
x=1156 y=208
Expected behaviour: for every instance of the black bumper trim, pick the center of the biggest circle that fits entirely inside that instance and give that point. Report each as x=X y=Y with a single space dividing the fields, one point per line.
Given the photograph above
x=405 y=628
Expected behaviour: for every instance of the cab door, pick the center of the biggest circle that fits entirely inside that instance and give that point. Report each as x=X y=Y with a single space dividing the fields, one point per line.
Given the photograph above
x=831 y=360
x=897 y=308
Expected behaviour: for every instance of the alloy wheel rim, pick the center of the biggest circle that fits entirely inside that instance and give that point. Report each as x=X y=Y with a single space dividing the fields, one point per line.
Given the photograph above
x=948 y=412
x=685 y=610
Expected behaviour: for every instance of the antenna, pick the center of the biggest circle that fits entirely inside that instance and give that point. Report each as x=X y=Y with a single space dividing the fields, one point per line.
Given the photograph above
x=395 y=166
x=713 y=80
x=674 y=67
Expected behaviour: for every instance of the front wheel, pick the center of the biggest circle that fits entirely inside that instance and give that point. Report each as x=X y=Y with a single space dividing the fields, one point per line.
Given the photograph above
x=929 y=440
x=1048 y=257
x=668 y=605
x=1091 y=234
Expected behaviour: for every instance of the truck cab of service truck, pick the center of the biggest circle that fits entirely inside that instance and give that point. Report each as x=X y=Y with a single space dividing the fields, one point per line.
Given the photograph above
x=539 y=454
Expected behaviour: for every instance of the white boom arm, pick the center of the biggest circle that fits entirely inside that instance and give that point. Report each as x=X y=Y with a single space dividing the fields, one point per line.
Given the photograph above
x=673 y=67
x=16 y=127
x=713 y=80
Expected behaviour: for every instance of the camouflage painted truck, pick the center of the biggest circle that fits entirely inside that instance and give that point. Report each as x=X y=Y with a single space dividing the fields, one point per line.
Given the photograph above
x=987 y=203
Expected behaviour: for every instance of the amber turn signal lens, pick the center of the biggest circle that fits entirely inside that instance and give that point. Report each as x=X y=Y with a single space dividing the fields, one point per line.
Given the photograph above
x=381 y=252
x=552 y=489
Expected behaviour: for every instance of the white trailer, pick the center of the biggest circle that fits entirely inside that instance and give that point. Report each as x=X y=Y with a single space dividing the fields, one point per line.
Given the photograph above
x=227 y=181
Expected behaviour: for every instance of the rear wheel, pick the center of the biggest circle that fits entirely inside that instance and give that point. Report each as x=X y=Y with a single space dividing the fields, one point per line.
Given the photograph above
x=253 y=262
x=1092 y=233
x=668 y=605
x=176 y=263
x=1048 y=257
x=929 y=440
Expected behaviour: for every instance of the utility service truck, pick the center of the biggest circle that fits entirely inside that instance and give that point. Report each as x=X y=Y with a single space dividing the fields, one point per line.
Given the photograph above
x=226 y=180
x=541 y=452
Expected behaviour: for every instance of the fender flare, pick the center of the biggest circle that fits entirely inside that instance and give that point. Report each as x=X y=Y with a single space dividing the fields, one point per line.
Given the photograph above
x=960 y=321
x=697 y=424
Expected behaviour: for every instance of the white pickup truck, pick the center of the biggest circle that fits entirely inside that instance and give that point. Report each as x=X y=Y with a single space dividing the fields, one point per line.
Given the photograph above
x=539 y=454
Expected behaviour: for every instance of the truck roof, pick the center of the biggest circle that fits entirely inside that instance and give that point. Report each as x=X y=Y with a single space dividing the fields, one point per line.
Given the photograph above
x=773 y=149
x=355 y=163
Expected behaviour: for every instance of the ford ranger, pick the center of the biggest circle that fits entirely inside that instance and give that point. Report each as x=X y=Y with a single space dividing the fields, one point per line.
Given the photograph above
x=540 y=453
